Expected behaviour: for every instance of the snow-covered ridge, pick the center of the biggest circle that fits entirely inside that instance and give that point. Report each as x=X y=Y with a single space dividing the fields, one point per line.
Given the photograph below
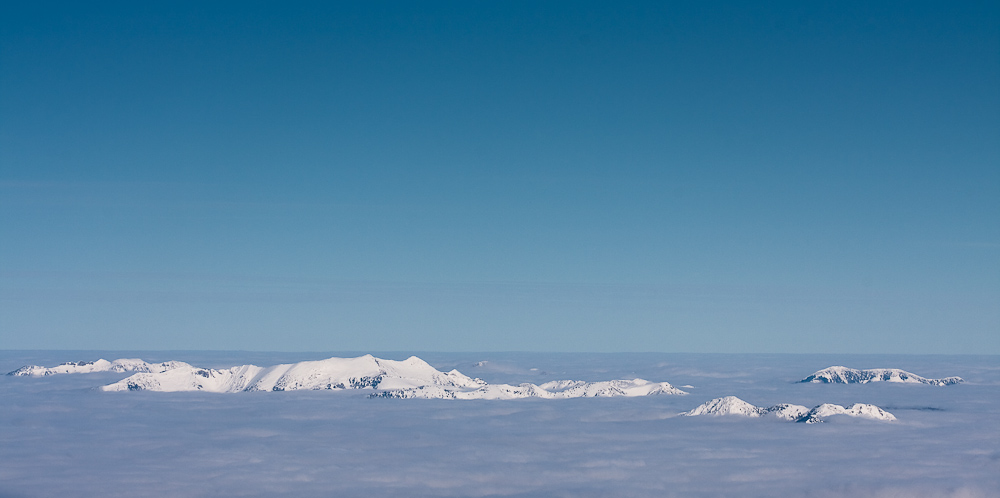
x=410 y=378
x=844 y=375
x=731 y=405
x=332 y=373
x=549 y=390
x=120 y=365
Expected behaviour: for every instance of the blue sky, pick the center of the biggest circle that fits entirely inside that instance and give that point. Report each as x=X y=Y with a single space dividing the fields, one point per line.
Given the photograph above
x=718 y=177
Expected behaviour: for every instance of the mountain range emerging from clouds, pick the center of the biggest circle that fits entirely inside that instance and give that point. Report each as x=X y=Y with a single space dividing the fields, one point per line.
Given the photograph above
x=231 y=429
x=120 y=365
x=415 y=378
x=410 y=378
x=550 y=390
x=844 y=375
x=731 y=405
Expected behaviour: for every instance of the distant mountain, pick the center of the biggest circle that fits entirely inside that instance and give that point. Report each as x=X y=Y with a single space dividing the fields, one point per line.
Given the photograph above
x=410 y=378
x=121 y=365
x=862 y=410
x=731 y=405
x=844 y=375
x=549 y=390
x=333 y=373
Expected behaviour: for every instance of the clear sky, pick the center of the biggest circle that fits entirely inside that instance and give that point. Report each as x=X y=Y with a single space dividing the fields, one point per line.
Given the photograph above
x=552 y=176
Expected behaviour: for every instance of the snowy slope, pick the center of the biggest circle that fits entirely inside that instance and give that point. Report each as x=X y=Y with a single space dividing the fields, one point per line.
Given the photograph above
x=410 y=378
x=856 y=410
x=333 y=373
x=120 y=365
x=731 y=405
x=549 y=390
x=844 y=375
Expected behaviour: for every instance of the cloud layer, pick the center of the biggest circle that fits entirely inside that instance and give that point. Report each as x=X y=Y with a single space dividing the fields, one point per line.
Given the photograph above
x=59 y=436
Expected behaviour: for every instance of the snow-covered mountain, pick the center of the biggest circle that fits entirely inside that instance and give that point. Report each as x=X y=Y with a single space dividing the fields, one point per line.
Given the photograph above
x=120 y=365
x=844 y=375
x=333 y=373
x=410 y=378
x=862 y=410
x=731 y=405
x=549 y=390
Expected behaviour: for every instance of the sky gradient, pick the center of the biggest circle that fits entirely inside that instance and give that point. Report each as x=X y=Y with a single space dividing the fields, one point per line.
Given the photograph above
x=578 y=176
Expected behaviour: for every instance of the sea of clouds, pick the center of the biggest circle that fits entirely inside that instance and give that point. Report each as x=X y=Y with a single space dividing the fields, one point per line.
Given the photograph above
x=59 y=436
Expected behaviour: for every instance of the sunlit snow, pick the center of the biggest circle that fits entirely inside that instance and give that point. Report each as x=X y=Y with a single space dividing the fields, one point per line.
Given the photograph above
x=844 y=375
x=731 y=405
x=410 y=378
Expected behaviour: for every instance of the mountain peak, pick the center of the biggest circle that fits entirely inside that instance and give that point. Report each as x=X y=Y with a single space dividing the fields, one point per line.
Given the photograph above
x=727 y=405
